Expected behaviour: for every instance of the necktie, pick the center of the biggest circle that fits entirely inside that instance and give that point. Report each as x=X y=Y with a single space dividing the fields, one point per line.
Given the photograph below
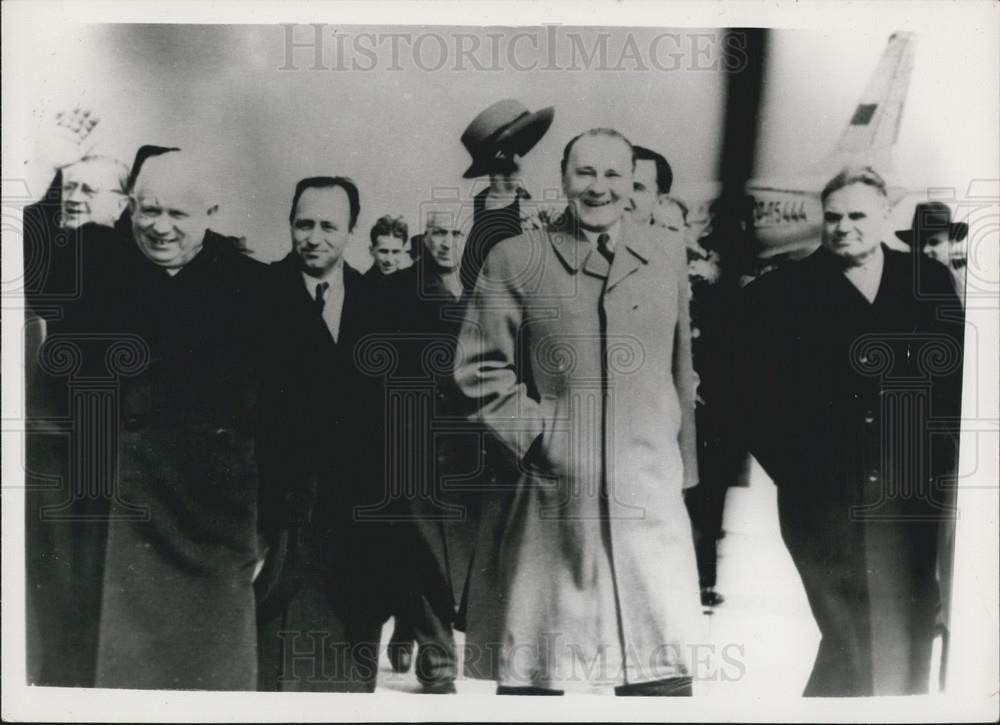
x=604 y=249
x=320 y=300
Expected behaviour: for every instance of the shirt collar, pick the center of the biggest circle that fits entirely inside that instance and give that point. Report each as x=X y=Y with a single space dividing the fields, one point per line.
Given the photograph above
x=334 y=277
x=614 y=234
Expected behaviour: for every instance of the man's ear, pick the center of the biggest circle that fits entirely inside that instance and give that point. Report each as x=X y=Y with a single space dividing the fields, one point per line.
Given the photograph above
x=212 y=209
x=123 y=201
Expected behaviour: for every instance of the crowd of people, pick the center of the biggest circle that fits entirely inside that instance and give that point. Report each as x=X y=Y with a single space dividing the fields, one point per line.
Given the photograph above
x=523 y=429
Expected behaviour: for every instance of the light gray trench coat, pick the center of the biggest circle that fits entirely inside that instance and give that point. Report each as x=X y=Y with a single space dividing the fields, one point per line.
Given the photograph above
x=584 y=573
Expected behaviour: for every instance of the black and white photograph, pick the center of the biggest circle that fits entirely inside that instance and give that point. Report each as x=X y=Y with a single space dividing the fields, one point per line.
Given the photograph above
x=356 y=352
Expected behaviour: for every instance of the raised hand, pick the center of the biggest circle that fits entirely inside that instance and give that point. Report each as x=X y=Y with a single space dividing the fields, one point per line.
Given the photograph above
x=64 y=139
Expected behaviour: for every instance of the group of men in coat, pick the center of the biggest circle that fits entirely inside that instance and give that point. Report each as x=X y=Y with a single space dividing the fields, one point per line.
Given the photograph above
x=299 y=430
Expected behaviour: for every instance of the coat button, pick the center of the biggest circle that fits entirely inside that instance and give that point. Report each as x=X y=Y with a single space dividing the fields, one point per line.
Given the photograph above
x=869 y=417
x=873 y=476
x=132 y=423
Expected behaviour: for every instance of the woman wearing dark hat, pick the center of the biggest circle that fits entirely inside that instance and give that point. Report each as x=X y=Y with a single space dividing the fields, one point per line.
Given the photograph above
x=497 y=139
x=933 y=234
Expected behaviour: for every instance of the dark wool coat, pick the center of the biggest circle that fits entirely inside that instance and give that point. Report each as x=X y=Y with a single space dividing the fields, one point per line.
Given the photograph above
x=852 y=408
x=150 y=380
x=178 y=607
x=66 y=494
x=443 y=454
x=322 y=462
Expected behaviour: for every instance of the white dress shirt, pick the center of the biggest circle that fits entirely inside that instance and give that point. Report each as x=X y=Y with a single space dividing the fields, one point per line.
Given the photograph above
x=614 y=232
x=867 y=278
x=333 y=301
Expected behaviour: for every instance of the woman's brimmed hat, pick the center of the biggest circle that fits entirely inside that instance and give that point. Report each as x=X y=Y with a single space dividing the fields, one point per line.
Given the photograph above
x=505 y=126
x=931 y=217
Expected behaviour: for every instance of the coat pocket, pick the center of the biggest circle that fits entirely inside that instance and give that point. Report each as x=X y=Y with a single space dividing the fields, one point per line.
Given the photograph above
x=547 y=455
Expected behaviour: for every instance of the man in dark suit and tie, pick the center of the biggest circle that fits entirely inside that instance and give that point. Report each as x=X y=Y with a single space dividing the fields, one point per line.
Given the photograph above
x=319 y=451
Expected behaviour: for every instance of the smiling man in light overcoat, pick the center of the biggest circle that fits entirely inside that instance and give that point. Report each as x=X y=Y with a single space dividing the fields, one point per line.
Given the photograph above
x=576 y=346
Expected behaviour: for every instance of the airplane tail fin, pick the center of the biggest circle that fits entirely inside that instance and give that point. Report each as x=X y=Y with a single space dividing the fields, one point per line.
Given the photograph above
x=874 y=125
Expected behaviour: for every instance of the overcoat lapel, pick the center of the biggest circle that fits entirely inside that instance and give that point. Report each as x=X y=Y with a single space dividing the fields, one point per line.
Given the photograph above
x=572 y=248
x=632 y=254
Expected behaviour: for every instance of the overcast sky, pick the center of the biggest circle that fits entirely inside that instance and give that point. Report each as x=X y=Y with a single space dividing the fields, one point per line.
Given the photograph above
x=395 y=128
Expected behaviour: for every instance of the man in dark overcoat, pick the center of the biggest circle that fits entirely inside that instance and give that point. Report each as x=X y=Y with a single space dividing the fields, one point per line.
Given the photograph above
x=66 y=502
x=323 y=589
x=162 y=336
x=440 y=454
x=848 y=382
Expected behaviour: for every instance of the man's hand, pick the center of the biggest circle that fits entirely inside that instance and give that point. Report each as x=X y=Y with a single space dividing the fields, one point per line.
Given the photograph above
x=64 y=138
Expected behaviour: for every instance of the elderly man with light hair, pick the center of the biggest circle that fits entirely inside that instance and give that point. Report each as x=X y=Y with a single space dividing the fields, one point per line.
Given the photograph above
x=66 y=523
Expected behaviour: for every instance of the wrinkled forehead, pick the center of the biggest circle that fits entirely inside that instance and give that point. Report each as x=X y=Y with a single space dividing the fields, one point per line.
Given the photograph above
x=176 y=180
x=98 y=173
x=439 y=221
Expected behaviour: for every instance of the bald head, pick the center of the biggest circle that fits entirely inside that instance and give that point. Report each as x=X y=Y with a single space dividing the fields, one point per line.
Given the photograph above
x=171 y=204
x=182 y=174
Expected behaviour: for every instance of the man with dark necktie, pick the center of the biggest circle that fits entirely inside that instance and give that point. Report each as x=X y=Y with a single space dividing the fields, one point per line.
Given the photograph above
x=575 y=350
x=319 y=455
